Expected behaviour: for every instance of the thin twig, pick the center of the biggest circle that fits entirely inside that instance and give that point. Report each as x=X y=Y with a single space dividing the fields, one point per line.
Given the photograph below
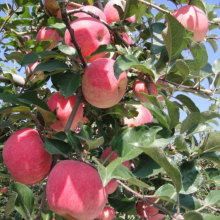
x=71 y=31
x=153 y=6
x=79 y=98
x=138 y=195
x=215 y=23
x=16 y=80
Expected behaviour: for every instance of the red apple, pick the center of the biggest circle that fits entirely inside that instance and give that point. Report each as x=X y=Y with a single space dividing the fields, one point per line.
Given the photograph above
x=48 y=34
x=25 y=157
x=37 y=76
x=112 y=14
x=74 y=190
x=107 y=213
x=63 y=107
x=193 y=19
x=96 y=11
x=143 y=208
x=144 y=116
x=3 y=190
x=90 y=33
x=100 y=86
x=111 y=186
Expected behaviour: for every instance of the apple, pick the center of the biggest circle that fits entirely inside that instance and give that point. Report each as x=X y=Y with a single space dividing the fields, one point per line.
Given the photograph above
x=144 y=116
x=127 y=38
x=96 y=11
x=74 y=190
x=63 y=107
x=107 y=213
x=111 y=186
x=112 y=14
x=35 y=77
x=25 y=157
x=193 y=19
x=52 y=6
x=48 y=34
x=150 y=211
x=100 y=86
x=3 y=190
x=89 y=33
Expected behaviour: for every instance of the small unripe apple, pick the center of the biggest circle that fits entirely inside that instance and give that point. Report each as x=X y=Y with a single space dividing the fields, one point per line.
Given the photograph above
x=25 y=157
x=74 y=190
x=89 y=33
x=48 y=34
x=193 y=19
x=63 y=107
x=96 y=11
x=52 y=6
x=107 y=213
x=100 y=86
x=144 y=116
x=143 y=208
x=112 y=14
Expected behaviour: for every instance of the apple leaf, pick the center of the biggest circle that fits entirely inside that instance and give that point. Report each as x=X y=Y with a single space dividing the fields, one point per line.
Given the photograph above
x=212 y=198
x=25 y=200
x=51 y=66
x=212 y=142
x=174 y=40
x=192 y=216
x=30 y=58
x=207 y=216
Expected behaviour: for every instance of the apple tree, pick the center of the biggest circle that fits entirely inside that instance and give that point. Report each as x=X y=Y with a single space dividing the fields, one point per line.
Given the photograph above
x=101 y=114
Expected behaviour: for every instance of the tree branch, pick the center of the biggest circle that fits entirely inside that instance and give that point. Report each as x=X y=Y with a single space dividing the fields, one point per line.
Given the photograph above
x=153 y=6
x=71 y=31
x=138 y=195
x=16 y=80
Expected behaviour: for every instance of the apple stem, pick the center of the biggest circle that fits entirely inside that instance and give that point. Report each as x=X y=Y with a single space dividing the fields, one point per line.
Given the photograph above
x=138 y=195
x=71 y=31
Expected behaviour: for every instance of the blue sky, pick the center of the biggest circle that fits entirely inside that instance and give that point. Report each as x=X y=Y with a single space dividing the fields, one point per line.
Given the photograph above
x=203 y=104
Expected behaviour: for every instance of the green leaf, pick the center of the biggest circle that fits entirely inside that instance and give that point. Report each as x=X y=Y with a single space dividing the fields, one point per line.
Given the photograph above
x=68 y=50
x=67 y=82
x=207 y=216
x=131 y=8
x=212 y=198
x=48 y=116
x=50 y=66
x=212 y=142
x=191 y=178
x=211 y=156
x=9 y=208
x=182 y=67
x=200 y=55
x=11 y=109
x=147 y=167
x=30 y=58
x=18 y=56
x=158 y=155
x=216 y=71
x=157 y=39
x=174 y=40
x=166 y=192
x=103 y=49
x=188 y=103
x=181 y=143
x=54 y=146
x=174 y=113
x=158 y=114
x=192 y=216
x=25 y=200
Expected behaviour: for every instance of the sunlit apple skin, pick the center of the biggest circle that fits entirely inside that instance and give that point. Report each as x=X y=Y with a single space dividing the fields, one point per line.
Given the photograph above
x=112 y=14
x=100 y=86
x=52 y=6
x=107 y=213
x=151 y=212
x=144 y=116
x=89 y=33
x=193 y=19
x=74 y=190
x=96 y=11
x=48 y=34
x=63 y=107
x=25 y=157
x=37 y=76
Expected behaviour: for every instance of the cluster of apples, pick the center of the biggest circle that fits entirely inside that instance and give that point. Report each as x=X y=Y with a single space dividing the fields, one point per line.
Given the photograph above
x=74 y=189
